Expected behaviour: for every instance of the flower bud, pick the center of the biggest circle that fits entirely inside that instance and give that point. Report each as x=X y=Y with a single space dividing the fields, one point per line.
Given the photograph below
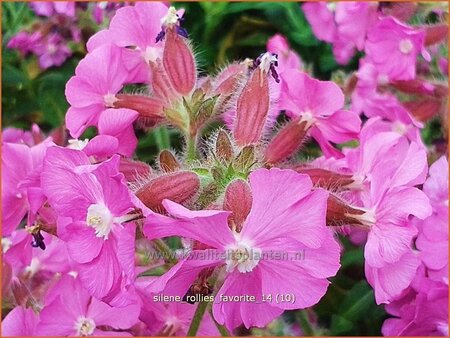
x=435 y=34
x=150 y=109
x=177 y=187
x=424 y=109
x=224 y=148
x=179 y=63
x=286 y=142
x=238 y=199
x=341 y=213
x=167 y=162
x=252 y=109
x=132 y=170
x=160 y=82
x=325 y=178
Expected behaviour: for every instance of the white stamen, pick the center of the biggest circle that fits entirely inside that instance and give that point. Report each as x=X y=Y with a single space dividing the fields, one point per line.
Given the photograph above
x=309 y=118
x=100 y=218
x=171 y=18
x=399 y=127
x=406 y=46
x=77 y=144
x=84 y=326
x=266 y=61
x=151 y=54
x=368 y=218
x=242 y=255
x=19 y=195
x=110 y=99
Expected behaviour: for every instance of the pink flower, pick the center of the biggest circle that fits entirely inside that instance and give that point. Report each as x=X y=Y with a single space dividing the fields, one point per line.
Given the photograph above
x=390 y=264
x=97 y=201
x=321 y=18
x=52 y=51
x=393 y=48
x=344 y=25
x=286 y=218
x=21 y=193
x=83 y=315
x=20 y=322
x=319 y=104
x=48 y=9
x=138 y=26
x=287 y=58
x=25 y=42
x=432 y=240
x=98 y=78
x=422 y=310
x=172 y=318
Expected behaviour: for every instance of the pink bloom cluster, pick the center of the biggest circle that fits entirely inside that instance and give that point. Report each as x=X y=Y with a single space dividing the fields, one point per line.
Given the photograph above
x=87 y=226
x=56 y=27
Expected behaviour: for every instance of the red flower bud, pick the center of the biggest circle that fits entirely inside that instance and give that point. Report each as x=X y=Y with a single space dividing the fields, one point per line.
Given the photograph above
x=238 y=200
x=132 y=170
x=424 y=109
x=179 y=63
x=286 y=142
x=252 y=109
x=341 y=213
x=150 y=109
x=177 y=187
x=435 y=34
x=325 y=178
x=168 y=162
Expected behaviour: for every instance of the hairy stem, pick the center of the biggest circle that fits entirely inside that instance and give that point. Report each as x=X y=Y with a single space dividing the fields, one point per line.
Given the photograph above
x=191 y=144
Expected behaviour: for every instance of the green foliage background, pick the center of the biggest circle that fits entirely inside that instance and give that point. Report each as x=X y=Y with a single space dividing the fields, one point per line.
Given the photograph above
x=221 y=32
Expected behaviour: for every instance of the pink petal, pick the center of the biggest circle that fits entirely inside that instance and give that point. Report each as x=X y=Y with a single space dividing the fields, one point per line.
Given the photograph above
x=82 y=243
x=101 y=275
x=302 y=93
x=116 y=317
x=208 y=227
x=233 y=313
x=388 y=243
x=20 y=322
x=274 y=191
x=306 y=290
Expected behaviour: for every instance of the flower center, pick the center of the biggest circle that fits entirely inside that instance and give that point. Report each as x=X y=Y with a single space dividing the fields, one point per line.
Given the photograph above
x=399 y=128
x=99 y=217
x=110 y=99
x=77 y=144
x=368 y=218
x=308 y=117
x=84 y=326
x=243 y=257
x=405 y=46
x=151 y=54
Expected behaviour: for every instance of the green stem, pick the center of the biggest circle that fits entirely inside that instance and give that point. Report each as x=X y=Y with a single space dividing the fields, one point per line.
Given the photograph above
x=307 y=328
x=191 y=144
x=162 y=137
x=165 y=251
x=197 y=319
x=222 y=329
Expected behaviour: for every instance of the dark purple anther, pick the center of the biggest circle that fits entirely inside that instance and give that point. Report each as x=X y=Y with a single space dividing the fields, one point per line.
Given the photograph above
x=160 y=35
x=38 y=240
